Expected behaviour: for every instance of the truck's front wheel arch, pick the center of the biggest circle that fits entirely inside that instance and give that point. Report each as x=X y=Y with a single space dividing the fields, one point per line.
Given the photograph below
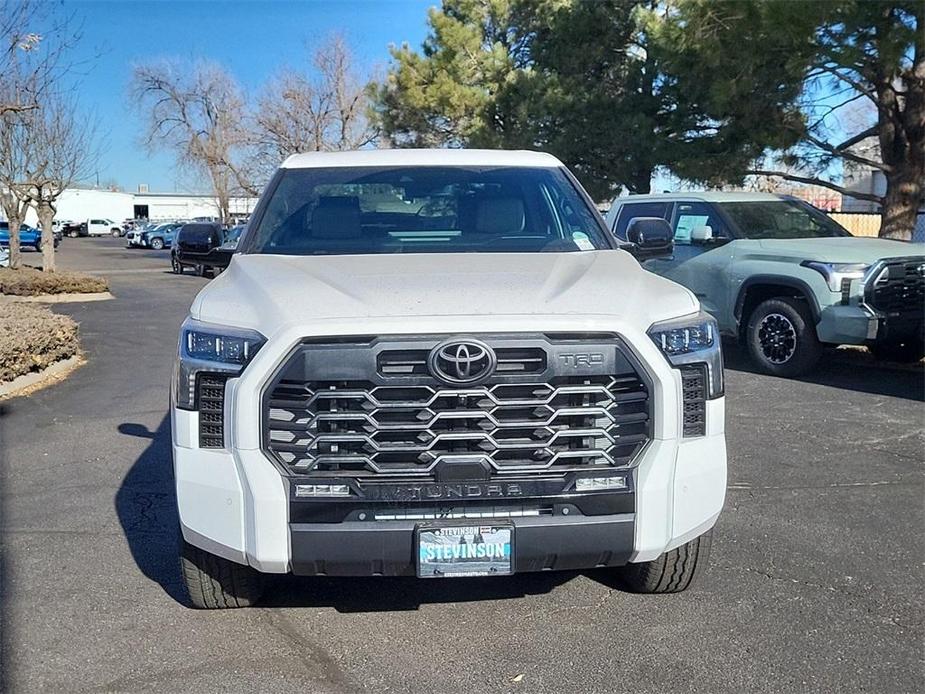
x=756 y=290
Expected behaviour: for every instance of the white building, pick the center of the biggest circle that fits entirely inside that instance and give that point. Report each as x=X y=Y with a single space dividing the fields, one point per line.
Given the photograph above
x=79 y=204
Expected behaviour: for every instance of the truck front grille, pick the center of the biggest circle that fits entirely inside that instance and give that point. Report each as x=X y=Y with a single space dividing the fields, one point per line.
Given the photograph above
x=694 y=394
x=897 y=286
x=401 y=421
x=210 y=399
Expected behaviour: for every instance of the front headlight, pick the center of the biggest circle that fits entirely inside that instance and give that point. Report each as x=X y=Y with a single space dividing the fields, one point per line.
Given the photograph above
x=692 y=340
x=205 y=347
x=836 y=273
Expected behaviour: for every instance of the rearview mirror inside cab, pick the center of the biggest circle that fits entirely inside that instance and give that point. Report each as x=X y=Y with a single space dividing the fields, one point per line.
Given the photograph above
x=649 y=237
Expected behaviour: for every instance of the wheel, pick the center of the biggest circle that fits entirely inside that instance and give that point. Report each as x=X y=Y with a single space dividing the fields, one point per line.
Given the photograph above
x=115 y=233
x=781 y=337
x=72 y=234
x=175 y=265
x=201 y=270
x=673 y=571
x=215 y=583
x=157 y=244
x=904 y=352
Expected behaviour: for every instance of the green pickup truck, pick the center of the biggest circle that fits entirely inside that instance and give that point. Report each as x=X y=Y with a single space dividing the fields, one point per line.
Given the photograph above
x=784 y=278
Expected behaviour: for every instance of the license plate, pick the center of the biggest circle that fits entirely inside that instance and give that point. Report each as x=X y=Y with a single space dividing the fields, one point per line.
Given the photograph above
x=448 y=551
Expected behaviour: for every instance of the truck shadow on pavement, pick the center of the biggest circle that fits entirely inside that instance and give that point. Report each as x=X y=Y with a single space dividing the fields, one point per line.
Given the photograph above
x=848 y=369
x=146 y=506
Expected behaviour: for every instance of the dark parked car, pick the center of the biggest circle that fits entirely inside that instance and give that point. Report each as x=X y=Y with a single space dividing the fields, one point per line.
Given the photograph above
x=74 y=229
x=204 y=247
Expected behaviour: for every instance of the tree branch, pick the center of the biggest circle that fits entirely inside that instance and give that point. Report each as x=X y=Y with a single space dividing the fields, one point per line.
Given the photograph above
x=846 y=154
x=860 y=137
x=812 y=180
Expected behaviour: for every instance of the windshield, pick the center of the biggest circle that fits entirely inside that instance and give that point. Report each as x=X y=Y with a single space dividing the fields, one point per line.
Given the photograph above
x=781 y=219
x=425 y=210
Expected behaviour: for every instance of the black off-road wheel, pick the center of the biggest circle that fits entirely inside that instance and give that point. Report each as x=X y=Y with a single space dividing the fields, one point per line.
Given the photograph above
x=781 y=337
x=673 y=571
x=214 y=583
x=904 y=352
x=175 y=265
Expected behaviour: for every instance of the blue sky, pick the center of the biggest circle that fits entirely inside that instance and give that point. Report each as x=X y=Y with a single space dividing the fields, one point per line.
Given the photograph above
x=252 y=39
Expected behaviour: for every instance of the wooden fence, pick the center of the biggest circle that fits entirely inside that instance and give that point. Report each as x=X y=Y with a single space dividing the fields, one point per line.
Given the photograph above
x=858 y=223
x=868 y=224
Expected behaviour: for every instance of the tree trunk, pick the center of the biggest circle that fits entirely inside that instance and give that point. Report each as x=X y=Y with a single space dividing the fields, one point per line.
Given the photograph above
x=15 y=251
x=904 y=196
x=46 y=218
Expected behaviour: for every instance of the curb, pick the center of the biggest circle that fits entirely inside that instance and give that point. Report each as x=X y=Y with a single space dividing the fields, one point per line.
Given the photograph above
x=31 y=382
x=74 y=298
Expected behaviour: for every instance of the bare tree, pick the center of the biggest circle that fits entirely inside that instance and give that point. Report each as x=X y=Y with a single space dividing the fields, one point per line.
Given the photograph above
x=64 y=150
x=197 y=112
x=35 y=40
x=323 y=111
x=15 y=150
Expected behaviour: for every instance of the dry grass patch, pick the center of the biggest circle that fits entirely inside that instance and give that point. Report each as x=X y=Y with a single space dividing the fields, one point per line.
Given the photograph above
x=33 y=338
x=28 y=281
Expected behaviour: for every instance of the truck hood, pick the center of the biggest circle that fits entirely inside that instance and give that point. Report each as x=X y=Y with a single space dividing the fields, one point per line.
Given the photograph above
x=266 y=292
x=835 y=250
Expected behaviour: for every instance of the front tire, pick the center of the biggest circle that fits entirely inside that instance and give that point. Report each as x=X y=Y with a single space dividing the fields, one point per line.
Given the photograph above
x=115 y=234
x=672 y=572
x=781 y=337
x=175 y=265
x=157 y=244
x=215 y=583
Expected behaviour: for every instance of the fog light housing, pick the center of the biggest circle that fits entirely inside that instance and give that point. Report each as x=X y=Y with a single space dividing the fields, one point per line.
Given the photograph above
x=316 y=490
x=597 y=484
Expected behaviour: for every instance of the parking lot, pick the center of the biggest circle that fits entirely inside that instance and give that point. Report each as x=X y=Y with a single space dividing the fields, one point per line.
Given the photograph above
x=816 y=579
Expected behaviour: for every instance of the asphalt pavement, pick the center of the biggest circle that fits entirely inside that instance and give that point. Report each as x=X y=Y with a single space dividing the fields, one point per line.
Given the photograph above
x=816 y=582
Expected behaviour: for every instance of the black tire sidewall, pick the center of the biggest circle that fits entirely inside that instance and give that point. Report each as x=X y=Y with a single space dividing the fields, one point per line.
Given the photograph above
x=157 y=244
x=808 y=349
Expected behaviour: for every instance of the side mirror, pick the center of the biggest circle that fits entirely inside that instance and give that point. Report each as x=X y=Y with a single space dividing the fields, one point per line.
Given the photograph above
x=649 y=237
x=702 y=234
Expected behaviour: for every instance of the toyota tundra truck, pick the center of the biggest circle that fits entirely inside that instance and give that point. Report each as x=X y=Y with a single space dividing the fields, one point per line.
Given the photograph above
x=786 y=279
x=440 y=363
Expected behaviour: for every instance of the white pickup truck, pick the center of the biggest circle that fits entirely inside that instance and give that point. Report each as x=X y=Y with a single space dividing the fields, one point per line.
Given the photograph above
x=99 y=226
x=439 y=364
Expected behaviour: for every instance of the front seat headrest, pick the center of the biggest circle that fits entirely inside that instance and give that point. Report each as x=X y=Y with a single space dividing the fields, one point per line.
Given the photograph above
x=499 y=215
x=337 y=218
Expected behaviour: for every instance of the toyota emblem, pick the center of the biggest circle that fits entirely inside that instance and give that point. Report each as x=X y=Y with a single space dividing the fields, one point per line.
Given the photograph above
x=462 y=362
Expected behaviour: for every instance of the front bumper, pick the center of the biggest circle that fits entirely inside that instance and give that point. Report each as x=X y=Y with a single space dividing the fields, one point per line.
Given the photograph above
x=858 y=324
x=387 y=548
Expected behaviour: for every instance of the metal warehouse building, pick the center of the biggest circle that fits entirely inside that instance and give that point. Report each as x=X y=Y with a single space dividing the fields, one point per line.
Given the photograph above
x=78 y=204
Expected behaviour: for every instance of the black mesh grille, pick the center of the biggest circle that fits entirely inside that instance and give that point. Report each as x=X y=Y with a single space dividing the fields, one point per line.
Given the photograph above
x=898 y=287
x=693 y=383
x=403 y=422
x=210 y=397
